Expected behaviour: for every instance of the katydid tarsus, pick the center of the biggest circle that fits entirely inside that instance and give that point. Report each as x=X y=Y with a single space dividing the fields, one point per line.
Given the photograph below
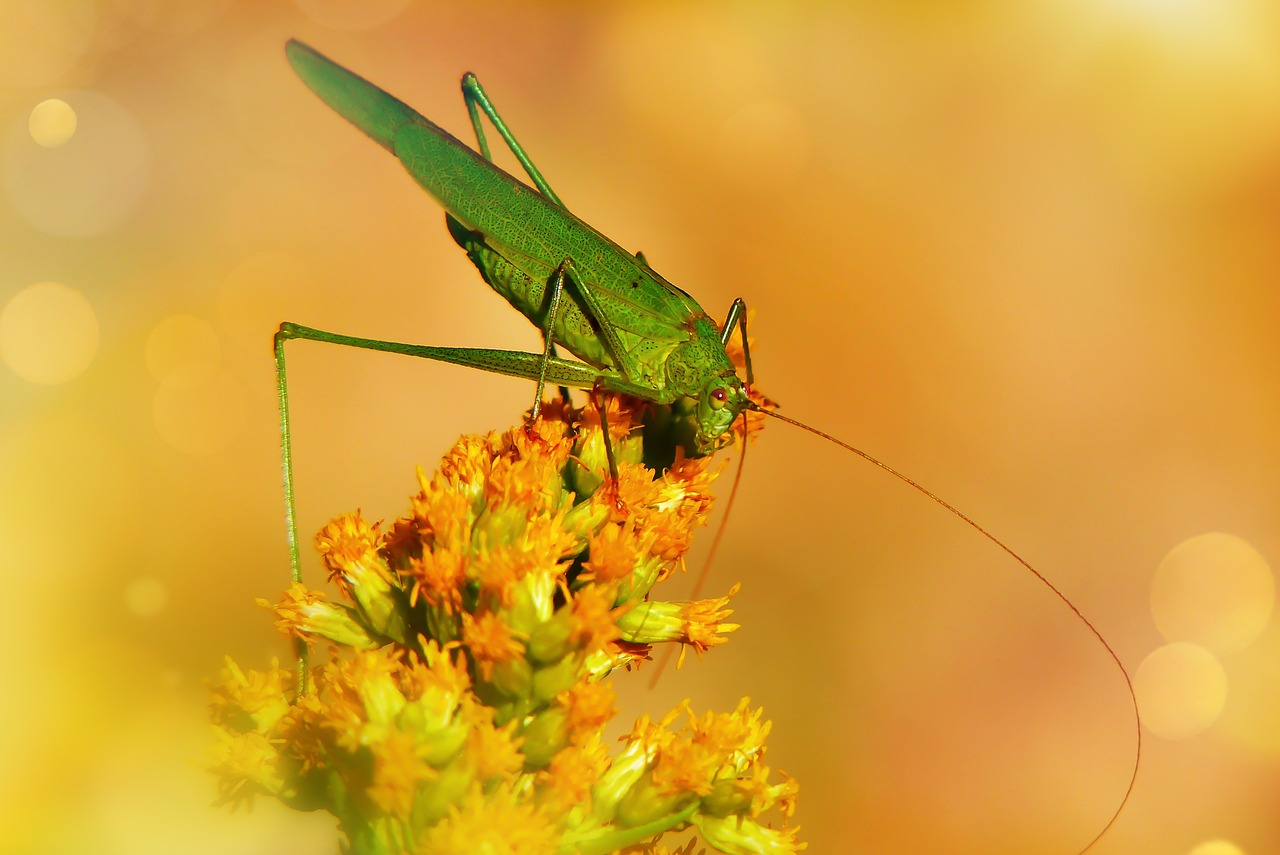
x=634 y=332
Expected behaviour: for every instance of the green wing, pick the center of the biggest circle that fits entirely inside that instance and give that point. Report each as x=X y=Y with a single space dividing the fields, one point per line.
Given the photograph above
x=517 y=221
x=372 y=110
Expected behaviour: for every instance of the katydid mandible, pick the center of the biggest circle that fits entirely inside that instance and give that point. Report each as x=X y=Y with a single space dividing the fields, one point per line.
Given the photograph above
x=634 y=332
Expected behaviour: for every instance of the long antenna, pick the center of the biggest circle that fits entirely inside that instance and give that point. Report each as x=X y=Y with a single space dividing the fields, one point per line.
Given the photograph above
x=1128 y=682
x=724 y=523
x=711 y=556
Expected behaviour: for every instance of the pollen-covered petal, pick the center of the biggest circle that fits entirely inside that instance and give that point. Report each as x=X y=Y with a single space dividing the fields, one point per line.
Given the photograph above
x=590 y=705
x=636 y=487
x=438 y=578
x=399 y=769
x=736 y=835
x=595 y=621
x=499 y=823
x=441 y=673
x=346 y=541
x=373 y=677
x=681 y=504
x=738 y=734
x=497 y=572
x=705 y=622
x=301 y=730
x=613 y=552
x=699 y=623
x=466 y=466
x=620 y=412
x=683 y=766
x=531 y=476
x=402 y=543
x=250 y=700
x=568 y=780
x=443 y=516
x=490 y=640
x=688 y=482
x=494 y=751
x=303 y=613
x=245 y=765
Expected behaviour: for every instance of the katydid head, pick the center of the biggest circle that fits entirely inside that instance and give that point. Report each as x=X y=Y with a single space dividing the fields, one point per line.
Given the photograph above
x=719 y=403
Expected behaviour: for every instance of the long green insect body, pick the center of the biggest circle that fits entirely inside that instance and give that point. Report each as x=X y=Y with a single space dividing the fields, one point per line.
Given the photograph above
x=644 y=336
x=634 y=331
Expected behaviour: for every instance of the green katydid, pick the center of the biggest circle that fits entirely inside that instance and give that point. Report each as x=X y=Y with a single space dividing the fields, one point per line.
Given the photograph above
x=634 y=332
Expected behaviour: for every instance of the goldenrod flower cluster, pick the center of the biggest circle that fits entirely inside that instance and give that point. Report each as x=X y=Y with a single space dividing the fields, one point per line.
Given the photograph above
x=461 y=706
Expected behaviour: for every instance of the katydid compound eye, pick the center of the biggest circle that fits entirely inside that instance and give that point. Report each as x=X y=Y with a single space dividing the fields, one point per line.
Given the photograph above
x=718 y=397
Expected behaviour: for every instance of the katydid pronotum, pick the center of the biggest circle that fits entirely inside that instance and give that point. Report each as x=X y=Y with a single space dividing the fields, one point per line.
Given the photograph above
x=634 y=332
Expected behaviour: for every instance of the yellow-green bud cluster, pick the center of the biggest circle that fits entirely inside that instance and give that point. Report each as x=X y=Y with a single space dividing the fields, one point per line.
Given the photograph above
x=464 y=696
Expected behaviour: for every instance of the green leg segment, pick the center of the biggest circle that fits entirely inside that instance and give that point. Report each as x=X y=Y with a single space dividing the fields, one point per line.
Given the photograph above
x=541 y=367
x=604 y=434
x=290 y=505
x=478 y=101
x=738 y=318
x=549 y=348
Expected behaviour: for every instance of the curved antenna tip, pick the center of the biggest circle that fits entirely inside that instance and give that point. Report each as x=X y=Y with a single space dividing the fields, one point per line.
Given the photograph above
x=1115 y=657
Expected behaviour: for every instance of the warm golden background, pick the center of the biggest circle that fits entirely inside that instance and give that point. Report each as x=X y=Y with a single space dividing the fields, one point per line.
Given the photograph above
x=1028 y=251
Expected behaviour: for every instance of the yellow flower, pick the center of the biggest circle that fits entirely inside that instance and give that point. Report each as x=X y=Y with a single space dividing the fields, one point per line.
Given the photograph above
x=684 y=495
x=302 y=612
x=495 y=823
x=594 y=622
x=399 y=768
x=613 y=554
x=490 y=640
x=442 y=516
x=438 y=578
x=700 y=624
x=245 y=764
x=352 y=551
x=494 y=751
x=349 y=548
x=462 y=704
x=255 y=700
x=590 y=706
x=568 y=779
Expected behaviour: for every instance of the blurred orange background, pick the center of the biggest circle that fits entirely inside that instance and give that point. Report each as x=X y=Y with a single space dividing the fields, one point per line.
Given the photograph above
x=1028 y=252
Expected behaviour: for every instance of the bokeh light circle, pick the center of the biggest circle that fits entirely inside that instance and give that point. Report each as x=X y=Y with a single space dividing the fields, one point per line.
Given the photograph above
x=182 y=350
x=52 y=122
x=48 y=333
x=1181 y=690
x=89 y=184
x=1215 y=590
